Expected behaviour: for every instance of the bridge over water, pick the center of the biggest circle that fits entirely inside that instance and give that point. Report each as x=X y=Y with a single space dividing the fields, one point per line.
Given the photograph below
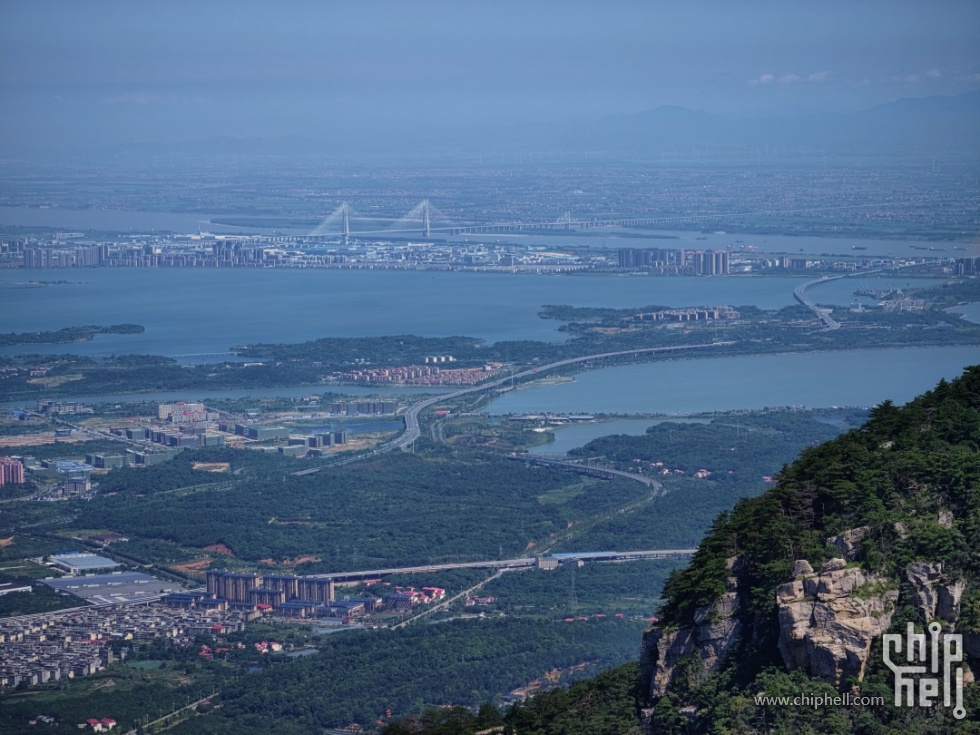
x=424 y=220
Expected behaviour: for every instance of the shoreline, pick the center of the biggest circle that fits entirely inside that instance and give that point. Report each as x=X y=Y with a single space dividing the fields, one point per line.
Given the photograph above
x=431 y=391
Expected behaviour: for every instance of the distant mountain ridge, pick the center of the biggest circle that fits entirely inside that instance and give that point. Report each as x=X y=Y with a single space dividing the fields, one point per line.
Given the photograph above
x=946 y=125
x=938 y=123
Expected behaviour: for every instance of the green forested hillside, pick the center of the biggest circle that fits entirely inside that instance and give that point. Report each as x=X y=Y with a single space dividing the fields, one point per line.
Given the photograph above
x=604 y=705
x=357 y=676
x=738 y=450
x=905 y=465
x=398 y=511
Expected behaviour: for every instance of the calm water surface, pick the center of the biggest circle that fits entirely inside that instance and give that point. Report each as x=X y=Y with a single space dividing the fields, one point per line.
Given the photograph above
x=814 y=380
x=970 y=312
x=105 y=220
x=578 y=435
x=194 y=311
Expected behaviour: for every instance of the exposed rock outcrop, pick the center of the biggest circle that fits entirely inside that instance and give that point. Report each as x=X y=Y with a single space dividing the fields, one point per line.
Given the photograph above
x=801 y=568
x=923 y=578
x=716 y=626
x=827 y=621
x=948 y=605
x=849 y=542
x=936 y=596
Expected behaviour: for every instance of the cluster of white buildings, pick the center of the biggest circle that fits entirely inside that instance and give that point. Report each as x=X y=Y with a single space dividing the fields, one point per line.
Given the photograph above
x=79 y=642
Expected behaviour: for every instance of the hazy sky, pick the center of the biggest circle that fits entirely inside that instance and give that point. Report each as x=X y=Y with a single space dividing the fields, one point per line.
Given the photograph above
x=88 y=73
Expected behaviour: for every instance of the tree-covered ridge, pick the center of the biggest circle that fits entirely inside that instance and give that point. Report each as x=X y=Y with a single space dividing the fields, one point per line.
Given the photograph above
x=904 y=466
x=600 y=706
x=604 y=705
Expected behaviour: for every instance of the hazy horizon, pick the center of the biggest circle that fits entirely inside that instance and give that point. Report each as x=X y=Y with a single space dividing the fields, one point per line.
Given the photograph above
x=106 y=73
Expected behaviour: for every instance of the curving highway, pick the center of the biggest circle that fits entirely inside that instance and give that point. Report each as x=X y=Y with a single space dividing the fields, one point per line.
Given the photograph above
x=586 y=469
x=799 y=293
x=412 y=430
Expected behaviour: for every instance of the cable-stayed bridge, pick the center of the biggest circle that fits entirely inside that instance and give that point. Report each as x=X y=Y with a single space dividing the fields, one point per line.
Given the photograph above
x=425 y=220
x=417 y=220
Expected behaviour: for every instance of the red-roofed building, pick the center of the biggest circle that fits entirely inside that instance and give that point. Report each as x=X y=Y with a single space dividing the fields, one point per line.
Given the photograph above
x=103 y=725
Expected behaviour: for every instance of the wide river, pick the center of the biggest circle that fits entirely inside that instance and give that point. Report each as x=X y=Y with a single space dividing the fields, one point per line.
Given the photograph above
x=811 y=379
x=190 y=311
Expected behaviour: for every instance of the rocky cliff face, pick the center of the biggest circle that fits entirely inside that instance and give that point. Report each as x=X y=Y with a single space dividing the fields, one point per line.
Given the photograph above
x=827 y=619
x=715 y=630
